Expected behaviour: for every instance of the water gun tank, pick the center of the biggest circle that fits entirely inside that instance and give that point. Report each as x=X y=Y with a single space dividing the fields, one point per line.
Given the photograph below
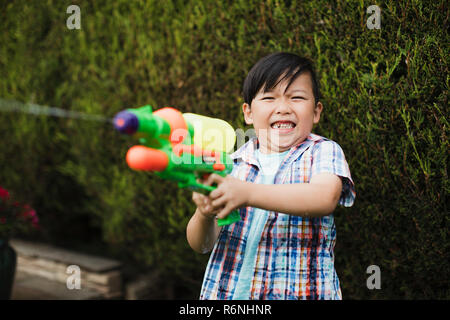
x=211 y=133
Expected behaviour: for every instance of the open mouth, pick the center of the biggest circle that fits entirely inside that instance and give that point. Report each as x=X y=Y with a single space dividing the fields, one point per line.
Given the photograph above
x=283 y=125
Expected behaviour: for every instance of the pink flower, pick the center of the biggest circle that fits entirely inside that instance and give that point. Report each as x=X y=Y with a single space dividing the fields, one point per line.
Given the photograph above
x=35 y=222
x=30 y=213
x=17 y=214
x=4 y=194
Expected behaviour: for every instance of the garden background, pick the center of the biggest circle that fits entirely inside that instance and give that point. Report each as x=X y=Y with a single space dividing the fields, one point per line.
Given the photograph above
x=385 y=96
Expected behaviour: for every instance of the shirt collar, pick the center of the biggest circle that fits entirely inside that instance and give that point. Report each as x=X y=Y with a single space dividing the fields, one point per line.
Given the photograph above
x=247 y=151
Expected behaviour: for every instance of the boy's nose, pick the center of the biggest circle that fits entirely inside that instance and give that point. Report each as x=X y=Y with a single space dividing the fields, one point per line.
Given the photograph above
x=283 y=107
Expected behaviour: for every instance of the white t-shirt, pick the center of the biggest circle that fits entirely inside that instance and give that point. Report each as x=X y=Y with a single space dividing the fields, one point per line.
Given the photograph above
x=269 y=164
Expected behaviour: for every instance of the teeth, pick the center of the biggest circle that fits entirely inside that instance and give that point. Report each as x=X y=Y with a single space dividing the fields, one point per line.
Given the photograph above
x=279 y=125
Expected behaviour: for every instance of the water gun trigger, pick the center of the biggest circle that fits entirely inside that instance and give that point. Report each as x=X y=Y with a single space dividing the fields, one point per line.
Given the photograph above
x=205 y=176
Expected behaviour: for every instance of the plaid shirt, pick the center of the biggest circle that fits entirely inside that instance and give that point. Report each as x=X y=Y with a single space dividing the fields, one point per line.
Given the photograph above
x=295 y=256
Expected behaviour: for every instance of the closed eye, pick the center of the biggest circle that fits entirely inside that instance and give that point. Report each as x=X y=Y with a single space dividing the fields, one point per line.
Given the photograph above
x=268 y=98
x=299 y=97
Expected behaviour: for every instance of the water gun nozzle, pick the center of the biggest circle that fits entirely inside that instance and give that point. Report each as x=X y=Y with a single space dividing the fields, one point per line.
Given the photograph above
x=126 y=122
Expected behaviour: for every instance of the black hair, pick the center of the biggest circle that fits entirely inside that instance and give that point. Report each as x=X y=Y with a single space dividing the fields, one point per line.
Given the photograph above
x=269 y=69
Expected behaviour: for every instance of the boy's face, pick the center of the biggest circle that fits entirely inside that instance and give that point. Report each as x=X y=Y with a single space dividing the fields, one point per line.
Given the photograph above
x=283 y=119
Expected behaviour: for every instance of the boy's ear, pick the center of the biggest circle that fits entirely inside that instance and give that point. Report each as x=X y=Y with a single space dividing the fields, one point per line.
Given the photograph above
x=246 y=109
x=317 y=111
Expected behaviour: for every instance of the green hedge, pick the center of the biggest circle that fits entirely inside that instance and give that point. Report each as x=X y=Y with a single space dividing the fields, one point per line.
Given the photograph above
x=384 y=91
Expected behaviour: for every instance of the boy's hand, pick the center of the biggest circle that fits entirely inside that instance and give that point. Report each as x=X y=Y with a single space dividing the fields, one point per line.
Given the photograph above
x=204 y=205
x=203 y=202
x=231 y=193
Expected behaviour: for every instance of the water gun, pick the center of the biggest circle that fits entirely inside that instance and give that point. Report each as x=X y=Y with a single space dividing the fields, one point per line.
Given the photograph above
x=181 y=147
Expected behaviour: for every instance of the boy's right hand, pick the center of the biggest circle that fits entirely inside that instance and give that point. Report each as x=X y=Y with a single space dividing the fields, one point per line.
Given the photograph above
x=203 y=230
x=203 y=203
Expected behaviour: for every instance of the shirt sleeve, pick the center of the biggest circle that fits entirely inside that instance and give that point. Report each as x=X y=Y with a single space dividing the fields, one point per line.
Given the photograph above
x=328 y=156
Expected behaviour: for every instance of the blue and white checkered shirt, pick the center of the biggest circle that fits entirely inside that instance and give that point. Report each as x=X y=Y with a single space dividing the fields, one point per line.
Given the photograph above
x=295 y=255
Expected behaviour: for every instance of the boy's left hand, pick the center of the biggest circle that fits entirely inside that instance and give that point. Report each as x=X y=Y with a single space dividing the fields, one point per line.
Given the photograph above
x=231 y=193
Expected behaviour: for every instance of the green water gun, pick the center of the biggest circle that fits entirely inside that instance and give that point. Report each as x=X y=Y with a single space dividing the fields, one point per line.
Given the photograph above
x=181 y=147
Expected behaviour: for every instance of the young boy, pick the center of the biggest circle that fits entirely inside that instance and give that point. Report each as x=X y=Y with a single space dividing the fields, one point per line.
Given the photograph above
x=286 y=183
